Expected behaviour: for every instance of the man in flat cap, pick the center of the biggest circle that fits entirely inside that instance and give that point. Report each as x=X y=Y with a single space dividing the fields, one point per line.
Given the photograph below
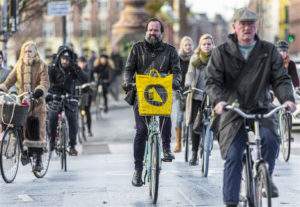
x=244 y=69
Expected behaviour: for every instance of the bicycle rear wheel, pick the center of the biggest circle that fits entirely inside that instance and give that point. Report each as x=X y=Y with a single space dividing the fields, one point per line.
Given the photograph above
x=99 y=105
x=45 y=158
x=286 y=136
x=155 y=169
x=263 y=189
x=10 y=155
x=186 y=154
x=80 y=128
x=206 y=151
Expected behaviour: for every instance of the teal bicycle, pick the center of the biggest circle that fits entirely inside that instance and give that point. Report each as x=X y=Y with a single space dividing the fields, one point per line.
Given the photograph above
x=153 y=150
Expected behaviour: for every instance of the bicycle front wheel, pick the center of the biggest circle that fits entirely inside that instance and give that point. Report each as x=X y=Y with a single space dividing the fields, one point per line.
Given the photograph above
x=99 y=105
x=206 y=151
x=45 y=158
x=155 y=169
x=10 y=155
x=263 y=189
x=286 y=136
x=64 y=147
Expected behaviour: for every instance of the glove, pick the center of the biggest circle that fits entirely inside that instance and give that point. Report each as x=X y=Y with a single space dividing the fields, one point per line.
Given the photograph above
x=74 y=67
x=37 y=94
x=126 y=87
x=176 y=84
x=49 y=98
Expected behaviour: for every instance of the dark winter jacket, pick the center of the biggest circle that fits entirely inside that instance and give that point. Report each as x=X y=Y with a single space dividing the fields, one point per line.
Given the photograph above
x=63 y=81
x=143 y=57
x=230 y=77
x=118 y=62
x=292 y=70
x=184 y=65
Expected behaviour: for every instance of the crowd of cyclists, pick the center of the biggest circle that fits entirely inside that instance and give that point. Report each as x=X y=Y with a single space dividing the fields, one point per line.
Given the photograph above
x=244 y=68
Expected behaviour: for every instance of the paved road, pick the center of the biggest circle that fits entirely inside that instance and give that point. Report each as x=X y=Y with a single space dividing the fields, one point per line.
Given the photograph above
x=101 y=176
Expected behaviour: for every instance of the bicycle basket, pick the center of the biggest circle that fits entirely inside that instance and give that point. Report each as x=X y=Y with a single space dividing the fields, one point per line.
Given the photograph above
x=13 y=114
x=154 y=94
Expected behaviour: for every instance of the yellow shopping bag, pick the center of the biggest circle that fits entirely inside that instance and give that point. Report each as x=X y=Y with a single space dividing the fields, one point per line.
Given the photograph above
x=154 y=94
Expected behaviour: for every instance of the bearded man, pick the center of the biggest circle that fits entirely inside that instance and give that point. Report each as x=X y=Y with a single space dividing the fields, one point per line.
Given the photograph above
x=148 y=54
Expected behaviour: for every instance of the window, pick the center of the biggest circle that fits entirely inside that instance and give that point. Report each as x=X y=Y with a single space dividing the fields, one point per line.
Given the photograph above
x=119 y=5
x=103 y=4
x=48 y=29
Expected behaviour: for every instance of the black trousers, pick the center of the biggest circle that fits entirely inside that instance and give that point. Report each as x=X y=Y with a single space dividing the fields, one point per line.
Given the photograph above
x=72 y=121
x=196 y=106
x=142 y=135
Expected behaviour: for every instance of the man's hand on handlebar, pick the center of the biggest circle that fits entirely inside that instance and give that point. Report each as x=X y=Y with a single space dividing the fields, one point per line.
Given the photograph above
x=219 y=108
x=291 y=105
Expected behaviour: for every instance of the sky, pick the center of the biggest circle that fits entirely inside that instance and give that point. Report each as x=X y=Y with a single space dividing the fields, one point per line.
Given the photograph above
x=213 y=7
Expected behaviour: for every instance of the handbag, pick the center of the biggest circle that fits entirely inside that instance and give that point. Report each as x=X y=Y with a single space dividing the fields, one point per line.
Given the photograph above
x=130 y=96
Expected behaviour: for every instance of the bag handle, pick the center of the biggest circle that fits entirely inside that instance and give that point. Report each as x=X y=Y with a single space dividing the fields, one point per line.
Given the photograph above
x=154 y=71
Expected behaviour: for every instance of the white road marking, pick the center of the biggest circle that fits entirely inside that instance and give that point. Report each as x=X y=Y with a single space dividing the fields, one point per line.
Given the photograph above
x=186 y=198
x=25 y=198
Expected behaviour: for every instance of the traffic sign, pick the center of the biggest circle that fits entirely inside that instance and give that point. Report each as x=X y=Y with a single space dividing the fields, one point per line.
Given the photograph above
x=58 y=8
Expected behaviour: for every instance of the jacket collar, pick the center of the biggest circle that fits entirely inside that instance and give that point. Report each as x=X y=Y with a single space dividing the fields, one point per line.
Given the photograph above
x=159 y=47
x=232 y=46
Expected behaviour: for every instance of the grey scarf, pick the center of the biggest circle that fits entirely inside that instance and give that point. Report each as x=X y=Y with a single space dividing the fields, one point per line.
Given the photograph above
x=185 y=56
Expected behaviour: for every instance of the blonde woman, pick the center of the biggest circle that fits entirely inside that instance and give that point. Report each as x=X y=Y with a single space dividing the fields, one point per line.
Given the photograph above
x=195 y=78
x=185 y=53
x=31 y=73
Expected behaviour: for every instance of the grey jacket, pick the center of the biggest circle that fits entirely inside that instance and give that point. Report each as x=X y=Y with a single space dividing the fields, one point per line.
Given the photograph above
x=3 y=75
x=195 y=77
x=230 y=77
x=143 y=57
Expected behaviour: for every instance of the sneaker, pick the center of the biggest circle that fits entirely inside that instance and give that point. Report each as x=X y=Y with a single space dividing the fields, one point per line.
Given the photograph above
x=90 y=134
x=168 y=156
x=73 y=151
x=137 y=178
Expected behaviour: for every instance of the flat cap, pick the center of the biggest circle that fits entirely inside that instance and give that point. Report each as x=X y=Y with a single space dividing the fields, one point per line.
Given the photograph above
x=244 y=14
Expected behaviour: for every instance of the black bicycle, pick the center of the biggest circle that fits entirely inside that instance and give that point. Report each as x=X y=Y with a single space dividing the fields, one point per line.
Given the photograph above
x=62 y=131
x=83 y=102
x=255 y=190
x=13 y=117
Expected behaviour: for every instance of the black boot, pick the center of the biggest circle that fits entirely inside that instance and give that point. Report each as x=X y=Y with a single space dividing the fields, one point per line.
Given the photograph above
x=274 y=189
x=38 y=167
x=137 y=178
x=194 y=161
x=168 y=156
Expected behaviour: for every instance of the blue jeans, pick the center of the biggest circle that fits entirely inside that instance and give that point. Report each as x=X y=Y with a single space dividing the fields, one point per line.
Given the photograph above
x=142 y=135
x=178 y=112
x=233 y=163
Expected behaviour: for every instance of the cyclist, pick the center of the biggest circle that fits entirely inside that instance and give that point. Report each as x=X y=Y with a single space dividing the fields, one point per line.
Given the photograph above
x=290 y=65
x=4 y=74
x=244 y=68
x=195 y=78
x=144 y=56
x=31 y=74
x=83 y=64
x=103 y=69
x=63 y=74
x=185 y=52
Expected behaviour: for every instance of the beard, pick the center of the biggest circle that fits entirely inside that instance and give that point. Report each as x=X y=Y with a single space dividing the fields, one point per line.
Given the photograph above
x=152 y=39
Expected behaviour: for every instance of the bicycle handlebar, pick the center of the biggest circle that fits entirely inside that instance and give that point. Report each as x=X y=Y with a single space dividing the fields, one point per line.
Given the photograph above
x=254 y=116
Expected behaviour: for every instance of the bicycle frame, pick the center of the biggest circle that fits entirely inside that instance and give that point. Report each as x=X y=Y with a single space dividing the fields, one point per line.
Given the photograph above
x=153 y=131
